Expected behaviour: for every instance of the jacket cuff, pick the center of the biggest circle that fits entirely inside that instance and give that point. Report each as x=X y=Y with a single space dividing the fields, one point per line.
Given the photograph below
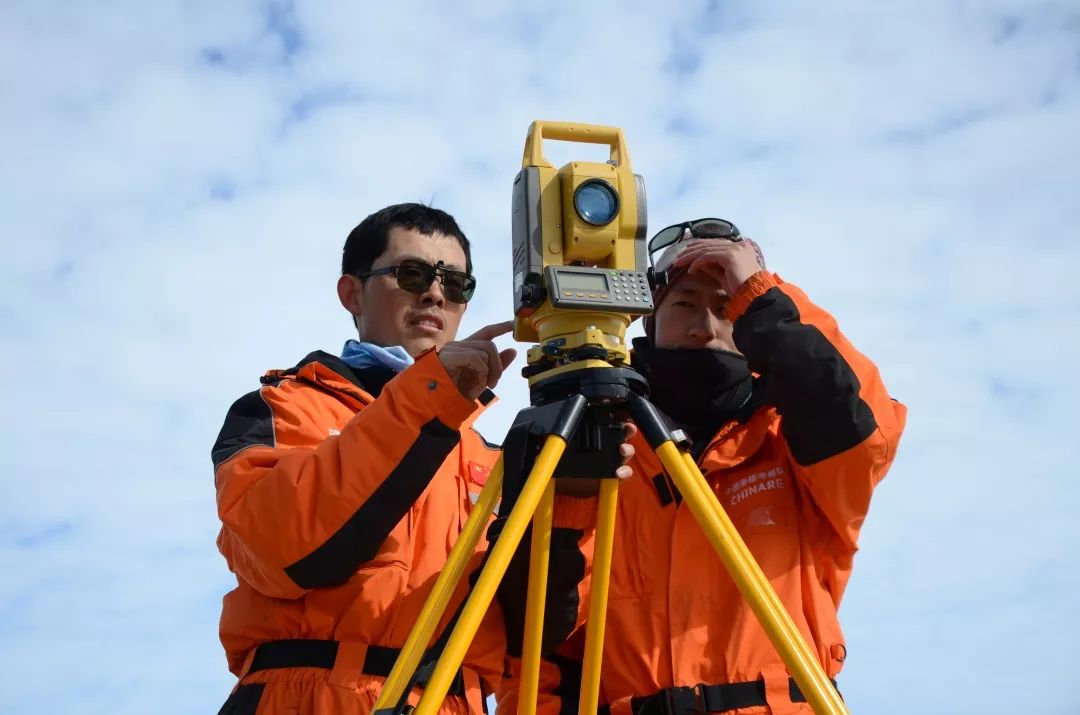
x=574 y=512
x=427 y=383
x=756 y=285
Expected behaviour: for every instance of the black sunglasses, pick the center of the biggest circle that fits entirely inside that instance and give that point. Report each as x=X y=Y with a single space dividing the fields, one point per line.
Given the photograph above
x=416 y=277
x=701 y=228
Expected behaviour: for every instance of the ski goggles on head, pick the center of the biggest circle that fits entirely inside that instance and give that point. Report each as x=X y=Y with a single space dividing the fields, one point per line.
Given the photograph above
x=416 y=276
x=700 y=228
x=670 y=237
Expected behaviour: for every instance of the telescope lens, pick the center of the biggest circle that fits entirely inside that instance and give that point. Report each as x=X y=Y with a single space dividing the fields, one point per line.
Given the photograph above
x=596 y=202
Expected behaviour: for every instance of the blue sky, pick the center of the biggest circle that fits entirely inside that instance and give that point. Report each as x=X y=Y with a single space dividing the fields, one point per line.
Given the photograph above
x=179 y=177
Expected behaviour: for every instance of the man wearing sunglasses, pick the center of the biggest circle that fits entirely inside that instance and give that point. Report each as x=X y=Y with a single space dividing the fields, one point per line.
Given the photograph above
x=793 y=428
x=343 y=482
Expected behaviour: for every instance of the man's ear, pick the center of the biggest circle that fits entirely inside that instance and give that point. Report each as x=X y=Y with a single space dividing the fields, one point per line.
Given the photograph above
x=350 y=292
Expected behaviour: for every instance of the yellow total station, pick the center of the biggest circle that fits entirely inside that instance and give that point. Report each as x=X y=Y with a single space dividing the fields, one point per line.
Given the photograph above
x=579 y=250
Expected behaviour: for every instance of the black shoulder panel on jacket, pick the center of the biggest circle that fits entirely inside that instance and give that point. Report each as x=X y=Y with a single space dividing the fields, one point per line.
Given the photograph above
x=811 y=384
x=334 y=363
x=249 y=422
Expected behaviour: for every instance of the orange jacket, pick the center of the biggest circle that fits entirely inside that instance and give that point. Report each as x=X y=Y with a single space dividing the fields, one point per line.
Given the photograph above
x=795 y=476
x=338 y=511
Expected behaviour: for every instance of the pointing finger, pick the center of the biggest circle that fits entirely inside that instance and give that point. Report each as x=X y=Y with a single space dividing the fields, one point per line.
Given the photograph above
x=490 y=332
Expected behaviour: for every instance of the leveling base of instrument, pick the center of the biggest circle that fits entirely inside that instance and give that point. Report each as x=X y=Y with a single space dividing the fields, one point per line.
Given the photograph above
x=578 y=406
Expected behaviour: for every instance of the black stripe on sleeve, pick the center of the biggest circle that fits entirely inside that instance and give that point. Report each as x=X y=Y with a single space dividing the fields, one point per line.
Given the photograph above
x=244 y=700
x=249 y=422
x=361 y=537
x=569 y=688
x=806 y=378
x=566 y=569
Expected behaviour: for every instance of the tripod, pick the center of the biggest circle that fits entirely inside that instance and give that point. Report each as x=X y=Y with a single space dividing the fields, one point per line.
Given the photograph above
x=578 y=404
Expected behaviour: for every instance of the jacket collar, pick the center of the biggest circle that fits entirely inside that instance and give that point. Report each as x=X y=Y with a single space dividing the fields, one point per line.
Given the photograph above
x=328 y=372
x=332 y=373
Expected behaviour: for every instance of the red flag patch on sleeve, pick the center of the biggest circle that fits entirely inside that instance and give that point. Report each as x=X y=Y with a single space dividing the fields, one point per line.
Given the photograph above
x=478 y=473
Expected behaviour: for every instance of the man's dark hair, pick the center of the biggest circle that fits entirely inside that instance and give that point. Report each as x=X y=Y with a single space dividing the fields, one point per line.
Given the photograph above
x=368 y=240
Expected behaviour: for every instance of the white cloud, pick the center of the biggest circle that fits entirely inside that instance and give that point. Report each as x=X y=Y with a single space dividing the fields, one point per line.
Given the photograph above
x=179 y=179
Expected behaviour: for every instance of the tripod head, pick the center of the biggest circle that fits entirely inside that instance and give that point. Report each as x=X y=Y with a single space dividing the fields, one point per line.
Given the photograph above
x=578 y=252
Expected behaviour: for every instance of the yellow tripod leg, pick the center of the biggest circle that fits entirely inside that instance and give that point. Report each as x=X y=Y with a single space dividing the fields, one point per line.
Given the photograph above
x=484 y=590
x=442 y=591
x=534 y=603
x=601 y=577
x=752 y=583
